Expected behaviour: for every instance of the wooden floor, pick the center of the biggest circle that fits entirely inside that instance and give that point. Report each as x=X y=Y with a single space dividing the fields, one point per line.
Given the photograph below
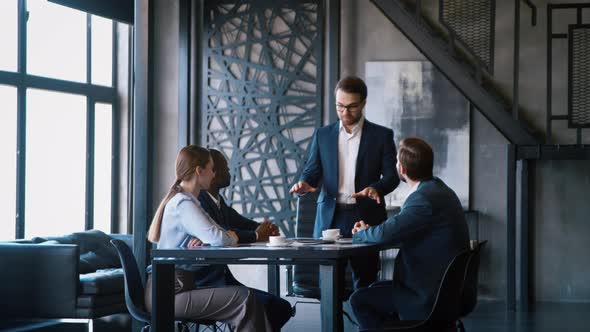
x=487 y=317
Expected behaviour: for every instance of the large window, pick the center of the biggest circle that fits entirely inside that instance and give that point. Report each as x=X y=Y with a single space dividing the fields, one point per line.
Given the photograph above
x=103 y=123
x=8 y=163
x=8 y=35
x=56 y=41
x=102 y=48
x=57 y=114
x=56 y=163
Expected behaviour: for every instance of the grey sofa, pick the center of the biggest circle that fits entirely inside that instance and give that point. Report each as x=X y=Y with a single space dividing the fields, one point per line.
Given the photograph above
x=72 y=276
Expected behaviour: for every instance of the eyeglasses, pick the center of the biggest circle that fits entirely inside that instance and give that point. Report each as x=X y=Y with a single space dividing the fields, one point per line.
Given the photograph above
x=350 y=107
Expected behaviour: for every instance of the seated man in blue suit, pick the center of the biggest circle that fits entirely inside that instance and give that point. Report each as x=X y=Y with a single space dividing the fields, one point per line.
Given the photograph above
x=278 y=310
x=354 y=160
x=431 y=230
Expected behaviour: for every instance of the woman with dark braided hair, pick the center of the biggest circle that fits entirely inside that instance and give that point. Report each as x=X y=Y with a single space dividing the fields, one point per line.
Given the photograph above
x=180 y=216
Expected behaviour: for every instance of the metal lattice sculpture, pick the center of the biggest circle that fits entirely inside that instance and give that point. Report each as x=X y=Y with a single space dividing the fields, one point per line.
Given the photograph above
x=473 y=23
x=263 y=98
x=579 y=75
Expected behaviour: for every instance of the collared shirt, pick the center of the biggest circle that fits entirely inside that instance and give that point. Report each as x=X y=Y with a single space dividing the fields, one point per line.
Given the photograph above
x=218 y=203
x=348 y=149
x=413 y=188
x=215 y=200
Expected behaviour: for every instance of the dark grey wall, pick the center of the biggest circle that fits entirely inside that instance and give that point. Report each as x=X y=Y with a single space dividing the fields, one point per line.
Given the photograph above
x=561 y=188
x=165 y=120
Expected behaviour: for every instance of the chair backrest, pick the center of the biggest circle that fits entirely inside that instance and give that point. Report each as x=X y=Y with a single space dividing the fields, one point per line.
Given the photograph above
x=447 y=306
x=470 y=281
x=134 y=290
x=306 y=277
x=305 y=218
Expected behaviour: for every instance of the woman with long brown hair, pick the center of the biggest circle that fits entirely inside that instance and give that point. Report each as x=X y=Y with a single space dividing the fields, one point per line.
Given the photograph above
x=179 y=217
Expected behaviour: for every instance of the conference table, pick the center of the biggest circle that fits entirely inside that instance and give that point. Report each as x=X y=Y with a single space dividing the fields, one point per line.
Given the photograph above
x=331 y=258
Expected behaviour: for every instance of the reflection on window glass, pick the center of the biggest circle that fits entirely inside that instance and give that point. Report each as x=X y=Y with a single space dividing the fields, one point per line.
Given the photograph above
x=56 y=41
x=56 y=163
x=8 y=164
x=102 y=51
x=103 y=139
x=8 y=34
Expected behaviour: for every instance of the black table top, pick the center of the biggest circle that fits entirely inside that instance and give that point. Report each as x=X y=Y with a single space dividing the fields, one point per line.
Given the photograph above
x=261 y=250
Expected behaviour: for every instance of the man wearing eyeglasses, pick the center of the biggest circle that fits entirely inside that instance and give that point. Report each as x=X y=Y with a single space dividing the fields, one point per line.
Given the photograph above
x=354 y=160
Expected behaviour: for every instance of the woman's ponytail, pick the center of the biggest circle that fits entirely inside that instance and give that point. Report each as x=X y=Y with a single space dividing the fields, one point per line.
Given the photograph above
x=156 y=225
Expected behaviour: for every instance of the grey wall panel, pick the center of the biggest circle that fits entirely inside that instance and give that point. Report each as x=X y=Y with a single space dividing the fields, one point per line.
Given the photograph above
x=561 y=232
x=263 y=97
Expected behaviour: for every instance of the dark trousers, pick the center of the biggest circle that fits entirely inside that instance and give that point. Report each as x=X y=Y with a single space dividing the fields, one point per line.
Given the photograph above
x=364 y=268
x=278 y=310
x=374 y=305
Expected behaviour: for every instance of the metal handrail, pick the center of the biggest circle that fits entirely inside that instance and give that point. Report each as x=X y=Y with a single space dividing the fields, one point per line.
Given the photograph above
x=516 y=67
x=534 y=11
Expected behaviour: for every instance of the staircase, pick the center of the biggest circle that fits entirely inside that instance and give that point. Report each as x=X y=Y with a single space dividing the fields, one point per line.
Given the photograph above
x=467 y=77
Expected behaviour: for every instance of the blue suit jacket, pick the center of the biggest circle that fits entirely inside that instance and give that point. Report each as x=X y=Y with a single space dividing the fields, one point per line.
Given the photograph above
x=375 y=167
x=431 y=230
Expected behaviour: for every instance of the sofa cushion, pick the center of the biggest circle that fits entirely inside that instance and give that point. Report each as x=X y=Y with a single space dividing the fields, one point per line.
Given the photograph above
x=96 y=251
x=105 y=281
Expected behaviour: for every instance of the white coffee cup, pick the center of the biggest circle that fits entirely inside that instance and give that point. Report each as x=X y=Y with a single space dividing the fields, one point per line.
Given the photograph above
x=331 y=234
x=277 y=240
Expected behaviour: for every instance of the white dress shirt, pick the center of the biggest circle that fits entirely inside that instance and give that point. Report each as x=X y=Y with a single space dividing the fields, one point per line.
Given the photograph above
x=218 y=203
x=215 y=200
x=413 y=188
x=348 y=150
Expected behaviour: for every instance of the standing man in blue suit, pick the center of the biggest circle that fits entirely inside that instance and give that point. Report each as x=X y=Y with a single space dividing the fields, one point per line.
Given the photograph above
x=431 y=230
x=278 y=310
x=354 y=160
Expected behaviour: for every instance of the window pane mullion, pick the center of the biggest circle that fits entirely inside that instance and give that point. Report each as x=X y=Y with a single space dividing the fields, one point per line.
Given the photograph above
x=89 y=215
x=21 y=161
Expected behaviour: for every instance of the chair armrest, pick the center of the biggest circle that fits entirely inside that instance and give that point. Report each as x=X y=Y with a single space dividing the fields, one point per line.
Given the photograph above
x=38 y=281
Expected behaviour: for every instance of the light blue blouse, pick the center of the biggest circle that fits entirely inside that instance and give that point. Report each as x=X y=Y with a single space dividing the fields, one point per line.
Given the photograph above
x=184 y=216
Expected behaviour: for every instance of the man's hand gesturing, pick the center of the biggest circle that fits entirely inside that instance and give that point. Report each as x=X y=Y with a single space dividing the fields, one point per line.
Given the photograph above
x=301 y=188
x=368 y=192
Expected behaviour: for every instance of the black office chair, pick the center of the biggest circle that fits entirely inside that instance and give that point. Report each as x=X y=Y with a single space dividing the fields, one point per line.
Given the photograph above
x=447 y=305
x=134 y=292
x=470 y=284
x=305 y=278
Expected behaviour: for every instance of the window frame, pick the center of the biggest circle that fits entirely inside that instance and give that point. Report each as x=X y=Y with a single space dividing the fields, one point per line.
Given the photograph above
x=94 y=94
